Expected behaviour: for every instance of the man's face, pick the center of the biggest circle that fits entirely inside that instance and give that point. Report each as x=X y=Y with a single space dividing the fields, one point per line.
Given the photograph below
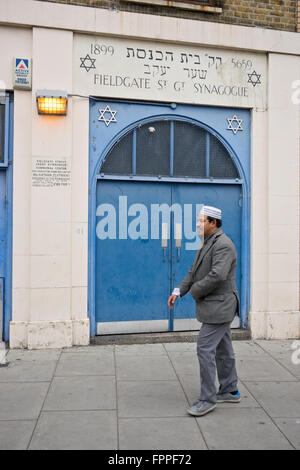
x=204 y=227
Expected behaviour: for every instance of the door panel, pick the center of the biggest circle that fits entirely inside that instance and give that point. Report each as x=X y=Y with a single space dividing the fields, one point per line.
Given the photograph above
x=227 y=198
x=132 y=275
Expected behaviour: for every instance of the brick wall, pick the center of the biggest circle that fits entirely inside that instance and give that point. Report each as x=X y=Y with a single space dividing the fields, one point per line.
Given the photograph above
x=274 y=14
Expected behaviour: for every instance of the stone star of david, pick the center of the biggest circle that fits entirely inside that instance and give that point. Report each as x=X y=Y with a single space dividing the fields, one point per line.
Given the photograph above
x=108 y=111
x=254 y=78
x=232 y=120
x=87 y=63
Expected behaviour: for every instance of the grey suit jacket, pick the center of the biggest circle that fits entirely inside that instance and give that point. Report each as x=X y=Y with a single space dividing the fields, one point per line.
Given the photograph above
x=211 y=280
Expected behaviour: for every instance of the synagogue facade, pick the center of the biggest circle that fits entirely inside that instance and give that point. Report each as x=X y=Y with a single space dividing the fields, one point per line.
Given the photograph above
x=119 y=120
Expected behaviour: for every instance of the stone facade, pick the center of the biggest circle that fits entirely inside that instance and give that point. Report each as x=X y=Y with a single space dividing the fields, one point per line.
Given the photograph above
x=51 y=266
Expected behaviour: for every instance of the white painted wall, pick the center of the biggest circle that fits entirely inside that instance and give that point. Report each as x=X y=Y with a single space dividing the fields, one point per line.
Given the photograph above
x=275 y=208
x=50 y=269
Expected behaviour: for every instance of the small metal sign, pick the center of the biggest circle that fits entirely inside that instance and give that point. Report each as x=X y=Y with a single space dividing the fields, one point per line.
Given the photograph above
x=22 y=73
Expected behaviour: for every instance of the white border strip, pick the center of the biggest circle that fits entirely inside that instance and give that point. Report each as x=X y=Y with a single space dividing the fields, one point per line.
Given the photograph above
x=186 y=324
x=192 y=324
x=151 y=326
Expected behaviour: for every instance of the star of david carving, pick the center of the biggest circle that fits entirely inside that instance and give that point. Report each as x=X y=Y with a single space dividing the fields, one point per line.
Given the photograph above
x=232 y=127
x=87 y=63
x=254 y=78
x=107 y=111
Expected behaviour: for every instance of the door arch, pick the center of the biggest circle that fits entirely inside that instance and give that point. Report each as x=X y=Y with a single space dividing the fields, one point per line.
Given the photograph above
x=181 y=158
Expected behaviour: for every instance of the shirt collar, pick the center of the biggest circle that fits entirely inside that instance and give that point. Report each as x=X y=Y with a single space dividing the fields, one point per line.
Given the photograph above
x=212 y=235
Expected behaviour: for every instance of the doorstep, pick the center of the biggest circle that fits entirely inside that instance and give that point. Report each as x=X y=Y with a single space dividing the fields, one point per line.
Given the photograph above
x=241 y=334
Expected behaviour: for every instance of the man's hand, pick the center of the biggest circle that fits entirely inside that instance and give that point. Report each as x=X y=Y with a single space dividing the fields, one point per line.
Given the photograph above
x=172 y=300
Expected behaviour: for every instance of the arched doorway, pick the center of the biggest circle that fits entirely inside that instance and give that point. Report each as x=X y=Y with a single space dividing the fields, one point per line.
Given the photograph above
x=149 y=185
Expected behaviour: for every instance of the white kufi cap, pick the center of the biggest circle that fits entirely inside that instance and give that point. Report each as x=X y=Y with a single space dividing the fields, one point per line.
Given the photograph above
x=211 y=212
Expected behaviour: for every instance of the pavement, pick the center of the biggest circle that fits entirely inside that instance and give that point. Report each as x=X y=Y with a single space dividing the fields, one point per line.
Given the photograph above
x=134 y=397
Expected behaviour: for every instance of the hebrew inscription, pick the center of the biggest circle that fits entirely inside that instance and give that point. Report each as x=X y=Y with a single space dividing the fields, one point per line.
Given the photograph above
x=124 y=68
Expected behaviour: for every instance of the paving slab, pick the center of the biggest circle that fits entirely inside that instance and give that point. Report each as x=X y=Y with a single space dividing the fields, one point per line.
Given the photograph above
x=144 y=368
x=284 y=354
x=15 y=435
x=241 y=429
x=22 y=400
x=275 y=346
x=184 y=363
x=81 y=393
x=150 y=399
x=278 y=399
x=191 y=387
x=29 y=366
x=84 y=363
x=160 y=433
x=248 y=349
x=286 y=362
x=140 y=349
x=290 y=427
x=75 y=430
x=181 y=347
x=90 y=349
x=37 y=355
x=28 y=371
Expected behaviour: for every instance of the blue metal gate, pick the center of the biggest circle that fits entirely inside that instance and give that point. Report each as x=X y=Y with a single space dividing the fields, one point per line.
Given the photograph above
x=6 y=153
x=149 y=157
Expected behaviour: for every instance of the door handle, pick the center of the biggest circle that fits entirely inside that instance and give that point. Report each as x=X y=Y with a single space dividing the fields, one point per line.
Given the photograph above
x=178 y=239
x=164 y=239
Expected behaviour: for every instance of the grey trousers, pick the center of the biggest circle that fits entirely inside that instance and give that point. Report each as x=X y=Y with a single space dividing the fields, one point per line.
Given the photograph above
x=215 y=352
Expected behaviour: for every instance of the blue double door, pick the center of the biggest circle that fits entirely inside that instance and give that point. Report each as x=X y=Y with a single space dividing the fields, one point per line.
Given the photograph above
x=145 y=243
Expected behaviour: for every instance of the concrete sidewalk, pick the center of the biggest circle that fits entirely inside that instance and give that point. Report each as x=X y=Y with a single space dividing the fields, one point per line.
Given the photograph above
x=129 y=397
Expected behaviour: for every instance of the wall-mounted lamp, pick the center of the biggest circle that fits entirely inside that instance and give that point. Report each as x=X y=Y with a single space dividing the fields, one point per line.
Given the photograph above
x=52 y=102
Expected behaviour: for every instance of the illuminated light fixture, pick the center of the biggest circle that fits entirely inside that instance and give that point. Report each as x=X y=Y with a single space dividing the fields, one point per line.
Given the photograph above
x=52 y=102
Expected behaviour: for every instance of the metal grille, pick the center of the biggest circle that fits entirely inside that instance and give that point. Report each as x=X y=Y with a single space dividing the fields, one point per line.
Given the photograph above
x=189 y=150
x=119 y=159
x=220 y=161
x=148 y=151
x=153 y=149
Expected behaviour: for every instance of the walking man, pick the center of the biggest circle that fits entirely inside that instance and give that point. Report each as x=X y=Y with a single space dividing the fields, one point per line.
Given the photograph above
x=211 y=282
